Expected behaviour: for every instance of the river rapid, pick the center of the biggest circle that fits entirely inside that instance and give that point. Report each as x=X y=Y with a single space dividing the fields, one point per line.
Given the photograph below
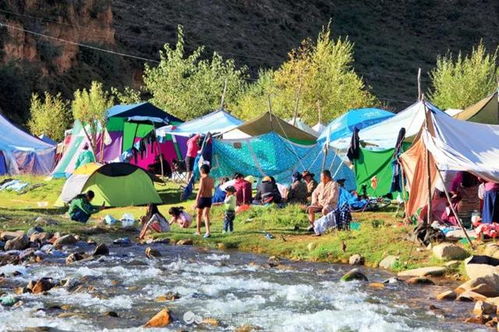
x=230 y=287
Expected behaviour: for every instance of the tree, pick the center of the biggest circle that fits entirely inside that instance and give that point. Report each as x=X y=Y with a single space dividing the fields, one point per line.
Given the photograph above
x=255 y=99
x=188 y=85
x=127 y=95
x=319 y=73
x=463 y=81
x=89 y=107
x=50 y=116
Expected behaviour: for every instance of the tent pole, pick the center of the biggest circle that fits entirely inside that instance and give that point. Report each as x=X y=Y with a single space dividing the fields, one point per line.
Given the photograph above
x=420 y=97
x=223 y=95
x=428 y=171
x=453 y=210
x=160 y=153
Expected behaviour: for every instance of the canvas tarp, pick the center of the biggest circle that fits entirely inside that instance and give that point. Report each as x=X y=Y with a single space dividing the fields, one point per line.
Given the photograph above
x=485 y=111
x=273 y=155
x=23 y=153
x=339 y=131
x=216 y=122
x=267 y=123
x=298 y=123
x=319 y=127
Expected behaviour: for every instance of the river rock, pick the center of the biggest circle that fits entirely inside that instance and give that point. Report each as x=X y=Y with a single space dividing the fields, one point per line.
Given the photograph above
x=273 y=261
x=392 y=280
x=449 y=251
x=46 y=222
x=492 y=250
x=447 y=295
x=42 y=285
x=113 y=314
x=487 y=285
x=354 y=274
x=377 y=285
x=420 y=281
x=210 y=321
x=5 y=236
x=170 y=296
x=484 y=308
x=423 y=272
x=65 y=240
x=101 y=250
x=356 y=260
x=34 y=230
x=74 y=257
x=185 y=242
x=161 y=319
x=478 y=266
x=42 y=237
x=71 y=284
x=2 y=245
x=388 y=262
x=152 y=253
x=476 y=320
x=17 y=243
x=470 y=296
x=247 y=328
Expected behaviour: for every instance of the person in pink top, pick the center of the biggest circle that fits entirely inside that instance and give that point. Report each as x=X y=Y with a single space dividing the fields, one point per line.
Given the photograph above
x=244 y=190
x=190 y=156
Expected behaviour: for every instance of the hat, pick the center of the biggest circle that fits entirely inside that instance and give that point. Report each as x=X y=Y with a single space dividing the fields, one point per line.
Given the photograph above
x=230 y=189
x=267 y=179
x=297 y=176
x=307 y=173
x=341 y=180
x=250 y=178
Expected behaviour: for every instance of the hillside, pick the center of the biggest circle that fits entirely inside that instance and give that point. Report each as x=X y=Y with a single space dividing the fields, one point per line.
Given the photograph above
x=392 y=38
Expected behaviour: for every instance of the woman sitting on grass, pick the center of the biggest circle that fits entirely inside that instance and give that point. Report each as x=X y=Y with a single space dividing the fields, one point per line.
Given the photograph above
x=180 y=217
x=153 y=221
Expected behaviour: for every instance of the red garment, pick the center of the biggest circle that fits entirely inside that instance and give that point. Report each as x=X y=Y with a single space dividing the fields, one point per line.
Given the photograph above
x=192 y=146
x=243 y=191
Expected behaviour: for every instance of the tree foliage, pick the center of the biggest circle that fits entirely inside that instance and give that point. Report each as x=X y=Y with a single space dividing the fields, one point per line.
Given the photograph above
x=89 y=107
x=127 y=95
x=189 y=86
x=49 y=116
x=463 y=81
x=315 y=76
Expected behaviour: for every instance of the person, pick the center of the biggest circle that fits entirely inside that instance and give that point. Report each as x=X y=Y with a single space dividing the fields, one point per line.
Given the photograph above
x=219 y=196
x=267 y=192
x=80 y=208
x=229 y=209
x=465 y=188
x=349 y=199
x=85 y=157
x=243 y=190
x=203 y=200
x=310 y=182
x=491 y=203
x=298 y=191
x=440 y=210
x=190 y=156
x=160 y=166
x=153 y=221
x=324 y=198
x=180 y=217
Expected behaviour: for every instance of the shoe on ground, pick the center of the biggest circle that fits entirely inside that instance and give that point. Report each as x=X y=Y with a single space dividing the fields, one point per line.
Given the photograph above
x=207 y=235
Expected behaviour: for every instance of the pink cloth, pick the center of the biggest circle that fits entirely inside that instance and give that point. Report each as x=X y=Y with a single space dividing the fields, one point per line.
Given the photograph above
x=192 y=146
x=491 y=186
x=243 y=191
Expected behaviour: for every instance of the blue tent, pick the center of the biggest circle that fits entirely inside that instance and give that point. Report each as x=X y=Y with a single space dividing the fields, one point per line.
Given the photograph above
x=272 y=155
x=343 y=126
x=215 y=122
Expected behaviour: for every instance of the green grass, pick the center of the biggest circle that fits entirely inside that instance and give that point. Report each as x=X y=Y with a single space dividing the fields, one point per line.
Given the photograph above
x=380 y=233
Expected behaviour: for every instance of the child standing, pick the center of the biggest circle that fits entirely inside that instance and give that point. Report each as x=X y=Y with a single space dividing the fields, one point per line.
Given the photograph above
x=230 y=209
x=203 y=199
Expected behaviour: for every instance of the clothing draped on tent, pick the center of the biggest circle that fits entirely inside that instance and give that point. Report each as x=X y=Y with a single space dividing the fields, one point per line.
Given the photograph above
x=23 y=153
x=273 y=155
x=340 y=129
x=267 y=123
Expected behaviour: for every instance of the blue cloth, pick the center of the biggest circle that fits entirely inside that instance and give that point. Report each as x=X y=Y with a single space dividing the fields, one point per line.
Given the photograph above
x=490 y=212
x=219 y=195
x=346 y=198
x=80 y=216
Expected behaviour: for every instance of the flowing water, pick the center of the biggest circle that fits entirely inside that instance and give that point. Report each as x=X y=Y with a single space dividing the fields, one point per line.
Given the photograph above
x=231 y=287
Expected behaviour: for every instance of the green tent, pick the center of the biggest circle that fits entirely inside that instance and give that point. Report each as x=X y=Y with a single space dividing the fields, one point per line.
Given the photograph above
x=485 y=111
x=115 y=184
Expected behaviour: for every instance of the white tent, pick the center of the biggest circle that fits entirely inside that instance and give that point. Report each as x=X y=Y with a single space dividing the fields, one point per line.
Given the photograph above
x=298 y=122
x=319 y=127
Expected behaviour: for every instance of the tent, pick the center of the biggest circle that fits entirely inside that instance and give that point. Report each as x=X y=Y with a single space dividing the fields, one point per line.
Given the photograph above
x=340 y=129
x=216 y=122
x=318 y=128
x=23 y=153
x=47 y=139
x=453 y=145
x=298 y=123
x=267 y=123
x=383 y=135
x=273 y=155
x=126 y=126
x=485 y=111
x=114 y=184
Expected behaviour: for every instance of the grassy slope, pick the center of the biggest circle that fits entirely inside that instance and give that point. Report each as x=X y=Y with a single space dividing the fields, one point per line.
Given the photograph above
x=374 y=243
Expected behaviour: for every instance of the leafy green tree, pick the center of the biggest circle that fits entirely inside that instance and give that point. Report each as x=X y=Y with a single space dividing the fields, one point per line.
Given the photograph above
x=89 y=107
x=49 y=116
x=189 y=86
x=319 y=73
x=127 y=95
x=462 y=81
x=255 y=99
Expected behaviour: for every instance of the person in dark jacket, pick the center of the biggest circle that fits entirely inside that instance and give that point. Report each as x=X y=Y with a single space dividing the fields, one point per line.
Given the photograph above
x=267 y=192
x=80 y=208
x=298 y=191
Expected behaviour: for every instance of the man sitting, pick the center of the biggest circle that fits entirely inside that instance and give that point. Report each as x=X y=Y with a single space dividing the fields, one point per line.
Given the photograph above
x=80 y=208
x=310 y=182
x=267 y=192
x=324 y=198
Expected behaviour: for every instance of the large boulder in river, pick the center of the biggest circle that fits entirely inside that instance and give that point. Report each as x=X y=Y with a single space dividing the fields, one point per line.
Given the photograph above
x=449 y=251
x=6 y=236
x=388 y=262
x=40 y=237
x=65 y=240
x=161 y=319
x=101 y=250
x=423 y=272
x=18 y=243
x=42 y=285
x=478 y=266
x=487 y=285
x=354 y=274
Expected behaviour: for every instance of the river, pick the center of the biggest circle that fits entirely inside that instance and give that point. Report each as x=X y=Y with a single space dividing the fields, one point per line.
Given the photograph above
x=231 y=287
